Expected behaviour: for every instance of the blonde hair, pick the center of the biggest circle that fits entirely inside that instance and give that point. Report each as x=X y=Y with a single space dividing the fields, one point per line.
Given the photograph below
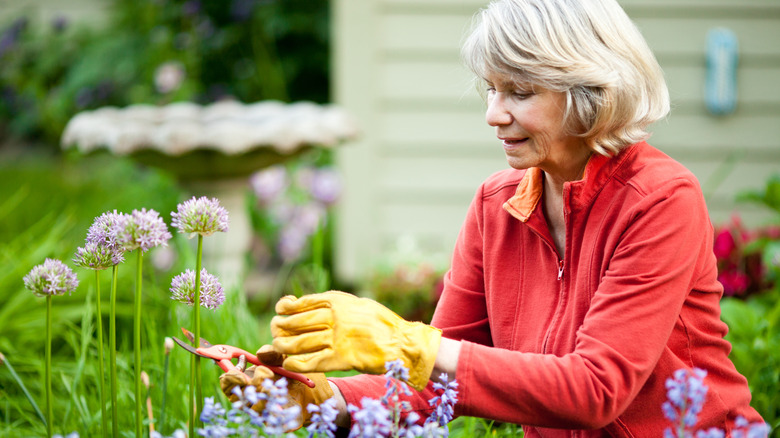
x=588 y=49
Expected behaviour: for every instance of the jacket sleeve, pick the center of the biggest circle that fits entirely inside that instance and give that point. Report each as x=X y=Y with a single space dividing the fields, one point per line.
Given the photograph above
x=631 y=317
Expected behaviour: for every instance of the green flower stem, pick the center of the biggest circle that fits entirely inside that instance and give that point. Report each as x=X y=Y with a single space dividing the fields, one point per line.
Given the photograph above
x=164 y=391
x=198 y=379
x=193 y=414
x=137 y=347
x=101 y=373
x=112 y=355
x=4 y=361
x=49 y=410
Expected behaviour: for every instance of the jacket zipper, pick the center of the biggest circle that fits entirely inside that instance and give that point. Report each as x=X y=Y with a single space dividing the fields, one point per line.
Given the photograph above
x=560 y=269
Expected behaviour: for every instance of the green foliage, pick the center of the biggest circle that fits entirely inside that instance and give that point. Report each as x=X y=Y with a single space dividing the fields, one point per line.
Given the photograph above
x=754 y=332
x=247 y=49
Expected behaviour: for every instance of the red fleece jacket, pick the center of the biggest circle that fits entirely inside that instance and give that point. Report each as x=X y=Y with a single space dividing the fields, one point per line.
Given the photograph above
x=581 y=343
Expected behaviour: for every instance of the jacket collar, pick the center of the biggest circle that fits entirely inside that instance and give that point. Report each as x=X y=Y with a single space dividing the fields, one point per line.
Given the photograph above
x=599 y=170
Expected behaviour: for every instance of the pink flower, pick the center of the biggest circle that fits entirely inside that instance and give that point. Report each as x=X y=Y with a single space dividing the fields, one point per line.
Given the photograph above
x=724 y=244
x=734 y=282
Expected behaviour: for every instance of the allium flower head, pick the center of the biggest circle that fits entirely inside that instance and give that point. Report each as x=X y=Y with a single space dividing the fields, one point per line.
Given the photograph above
x=142 y=230
x=211 y=293
x=51 y=278
x=103 y=230
x=324 y=185
x=202 y=216
x=96 y=256
x=269 y=183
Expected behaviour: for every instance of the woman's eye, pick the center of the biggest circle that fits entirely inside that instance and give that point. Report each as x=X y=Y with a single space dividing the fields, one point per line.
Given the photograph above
x=521 y=94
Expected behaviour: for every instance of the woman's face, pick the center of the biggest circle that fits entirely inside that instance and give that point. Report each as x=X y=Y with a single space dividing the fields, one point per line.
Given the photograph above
x=530 y=123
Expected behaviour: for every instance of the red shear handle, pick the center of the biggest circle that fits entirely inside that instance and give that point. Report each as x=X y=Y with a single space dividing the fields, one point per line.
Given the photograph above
x=224 y=353
x=281 y=371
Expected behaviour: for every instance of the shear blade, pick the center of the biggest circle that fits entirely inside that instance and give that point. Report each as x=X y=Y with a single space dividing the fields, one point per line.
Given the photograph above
x=187 y=347
x=191 y=336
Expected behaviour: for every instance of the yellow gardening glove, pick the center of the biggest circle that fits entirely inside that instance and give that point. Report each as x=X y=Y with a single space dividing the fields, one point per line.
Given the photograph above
x=298 y=393
x=338 y=331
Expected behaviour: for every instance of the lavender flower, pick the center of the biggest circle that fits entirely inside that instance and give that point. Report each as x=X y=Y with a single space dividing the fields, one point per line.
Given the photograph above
x=276 y=418
x=212 y=412
x=444 y=403
x=51 y=278
x=142 y=230
x=371 y=420
x=96 y=256
x=202 y=216
x=744 y=429
x=712 y=432
x=686 y=393
x=212 y=295
x=323 y=418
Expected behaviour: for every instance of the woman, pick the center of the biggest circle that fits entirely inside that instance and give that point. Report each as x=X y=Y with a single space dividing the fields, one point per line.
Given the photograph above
x=583 y=276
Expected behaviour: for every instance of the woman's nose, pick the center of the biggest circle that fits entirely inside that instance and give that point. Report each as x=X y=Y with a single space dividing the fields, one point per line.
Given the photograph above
x=497 y=113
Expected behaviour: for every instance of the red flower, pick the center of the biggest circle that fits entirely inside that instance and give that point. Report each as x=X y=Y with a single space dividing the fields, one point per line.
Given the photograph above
x=734 y=282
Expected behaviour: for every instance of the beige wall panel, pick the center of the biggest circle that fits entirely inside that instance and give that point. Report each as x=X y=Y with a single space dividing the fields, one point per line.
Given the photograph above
x=434 y=226
x=431 y=32
x=437 y=175
x=417 y=80
x=703 y=133
x=688 y=36
x=754 y=85
x=412 y=126
x=429 y=148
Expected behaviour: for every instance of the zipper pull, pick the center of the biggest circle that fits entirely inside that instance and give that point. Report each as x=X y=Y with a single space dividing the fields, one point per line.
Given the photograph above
x=560 y=269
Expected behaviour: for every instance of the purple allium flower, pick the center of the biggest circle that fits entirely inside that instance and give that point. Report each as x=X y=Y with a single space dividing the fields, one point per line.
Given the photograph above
x=685 y=393
x=59 y=23
x=444 y=403
x=104 y=228
x=269 y=183
x=142 y=230
x=211 y=293
x=191 y=8
x=372 y=419
x=292 y=241
x=323 y=418
x=169 y=76
x=202 y=216
x=308 y=217
x=51 y=278
x=241 y=10
x=96 y=256
x=323 y=184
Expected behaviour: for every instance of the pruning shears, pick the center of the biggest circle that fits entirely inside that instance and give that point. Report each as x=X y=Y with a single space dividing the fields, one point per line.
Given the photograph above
x=223 y=355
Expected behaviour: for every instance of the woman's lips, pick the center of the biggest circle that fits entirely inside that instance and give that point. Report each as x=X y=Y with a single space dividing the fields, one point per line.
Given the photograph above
x=510 y=143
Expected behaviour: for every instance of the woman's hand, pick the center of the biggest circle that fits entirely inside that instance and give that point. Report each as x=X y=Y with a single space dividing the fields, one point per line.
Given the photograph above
x=338 y=331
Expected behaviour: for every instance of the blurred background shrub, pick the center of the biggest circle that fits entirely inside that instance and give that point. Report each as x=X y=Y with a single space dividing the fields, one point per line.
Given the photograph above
x=160 y=51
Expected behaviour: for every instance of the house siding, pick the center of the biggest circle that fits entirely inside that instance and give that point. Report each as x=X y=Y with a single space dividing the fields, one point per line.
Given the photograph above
x=425 y=146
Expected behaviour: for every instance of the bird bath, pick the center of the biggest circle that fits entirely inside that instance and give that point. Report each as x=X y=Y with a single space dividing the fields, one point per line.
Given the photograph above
x=211 y=150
